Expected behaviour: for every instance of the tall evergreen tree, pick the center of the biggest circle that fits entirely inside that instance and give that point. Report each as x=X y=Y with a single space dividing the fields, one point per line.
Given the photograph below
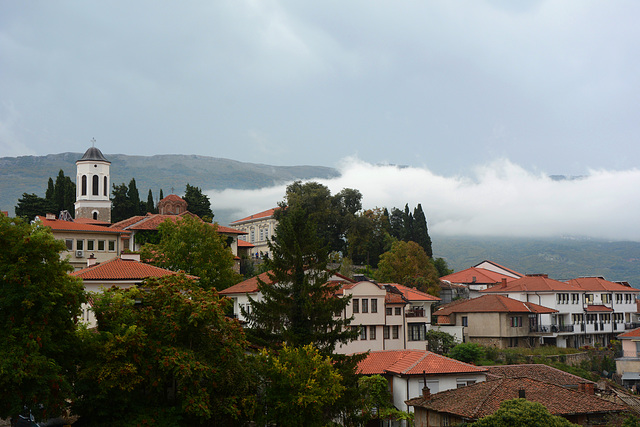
x=50 y=190
x=134 y=198
x=120 y=206
x=161 y=195
x=420 y=230
x=150 y=206
x=31 y=205
x=63 y=196
x=298 y=305
x=198 y=203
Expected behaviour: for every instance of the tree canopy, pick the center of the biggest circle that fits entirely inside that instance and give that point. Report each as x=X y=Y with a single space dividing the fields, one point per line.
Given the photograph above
x=404 y=263
x=60 y=196
x=167 y=355
x=198 y=203
x=38 y=304
x=195 y=247
x=522 y=413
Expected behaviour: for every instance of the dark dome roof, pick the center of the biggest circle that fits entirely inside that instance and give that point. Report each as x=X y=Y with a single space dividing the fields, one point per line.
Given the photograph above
x=94 y=154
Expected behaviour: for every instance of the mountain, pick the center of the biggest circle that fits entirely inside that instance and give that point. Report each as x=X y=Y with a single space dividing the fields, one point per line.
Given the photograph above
x=171 y=173
x=560 y=258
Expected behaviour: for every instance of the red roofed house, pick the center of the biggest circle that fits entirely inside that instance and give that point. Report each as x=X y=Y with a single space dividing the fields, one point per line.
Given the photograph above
x=83 y=240
x=628 y=366
x=476 y=401
x=495 y=320
x=477 y=279
x=257 y=229
x=590 y=310
x=387 y=316
x=407 y=370
x=121 y=272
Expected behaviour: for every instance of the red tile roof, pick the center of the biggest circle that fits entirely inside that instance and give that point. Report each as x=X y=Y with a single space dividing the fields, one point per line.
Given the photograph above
x=59 y=225
x=413 y=362
x=537 y=372
x=501 y=267
x=264 y=214
x=412 y=294
x=247 y=286
x=153 y=221
x=119 y=269
x=475 y=275
x=92 y=221
x=598 y=308
x=481 y=399
x=598 y=284
x=245 y=244
x=494 y=304
x=534 y=283
x=634 y=333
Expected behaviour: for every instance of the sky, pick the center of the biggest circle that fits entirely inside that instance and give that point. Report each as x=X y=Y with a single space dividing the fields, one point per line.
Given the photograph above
x=464 y=94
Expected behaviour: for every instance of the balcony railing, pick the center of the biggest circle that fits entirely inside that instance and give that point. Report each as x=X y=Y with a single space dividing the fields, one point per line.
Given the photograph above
x=549 y=329
x=414 y=312
x=631 y=325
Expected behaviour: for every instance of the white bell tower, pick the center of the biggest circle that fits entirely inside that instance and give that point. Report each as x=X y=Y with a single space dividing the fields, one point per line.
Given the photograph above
x=92 y=186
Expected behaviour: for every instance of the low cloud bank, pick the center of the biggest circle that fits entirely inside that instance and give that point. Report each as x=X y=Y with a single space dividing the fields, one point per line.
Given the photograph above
x=498 y=199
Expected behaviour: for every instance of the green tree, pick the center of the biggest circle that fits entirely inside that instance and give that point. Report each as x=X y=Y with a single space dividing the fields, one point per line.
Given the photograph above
x=120 y=206
x=439 y=341
x=298 y=306
x=31 y=205
x=150 y=206
x=195 y=247
x=298 y=387
x=133 y=196
x=50 y=190
x=38 y=304
x=369 y=237
x=421 y=231
x=164 y=356
x=64 y=194
x=441 y=265
x=522 y=413
x=198 y=203
x=467 y=352
x=405 y=262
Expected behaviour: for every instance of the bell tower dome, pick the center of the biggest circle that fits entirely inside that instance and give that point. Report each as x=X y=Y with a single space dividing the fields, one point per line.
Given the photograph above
x=92 y=186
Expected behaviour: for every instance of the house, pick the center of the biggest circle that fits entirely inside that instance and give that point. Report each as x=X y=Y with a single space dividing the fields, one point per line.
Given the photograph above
x=257 y=229
x=476 y=279
x=407 y=370
x=496 y=320
x=590 y=311
x=121 y=272
x=84 y=240
x=469 y=404
x=628 y=365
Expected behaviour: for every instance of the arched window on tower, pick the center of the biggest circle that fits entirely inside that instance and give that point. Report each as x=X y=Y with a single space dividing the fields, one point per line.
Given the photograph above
x=84 y=185
x=95 y=215
x=96 y=185
x=106 y=188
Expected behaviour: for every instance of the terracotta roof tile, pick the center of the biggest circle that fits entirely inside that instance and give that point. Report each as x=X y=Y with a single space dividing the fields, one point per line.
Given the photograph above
x=534 y=283
x=598 y=308
x=119 y=269
x=246 y=286
x=264 y=214
x=598 y=284
x=245 y=244
x=476 y=275
x=153 y=221
x=634 y=333
x=493 y=304
x=412 y=294
x=537 y=372
x=412 y=362
x=481 y=399
x=58 y=225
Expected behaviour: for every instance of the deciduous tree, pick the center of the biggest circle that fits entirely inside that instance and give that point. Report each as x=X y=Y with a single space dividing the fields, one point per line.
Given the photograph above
x=195 y=247
x=38 y=304
x=404 y=263
x=522 y=413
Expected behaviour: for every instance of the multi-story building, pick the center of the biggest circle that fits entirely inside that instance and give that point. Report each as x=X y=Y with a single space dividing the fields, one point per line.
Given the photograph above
x=589 y=311
x=257 y=229
x=628 y=364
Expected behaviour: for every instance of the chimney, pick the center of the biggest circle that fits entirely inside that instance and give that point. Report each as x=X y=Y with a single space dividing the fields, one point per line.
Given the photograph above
x=91 y=260
x=134 y=256
x=504 y=282
x=50 y=216
x=426 y=393
x=587 y=388
x=522 y=394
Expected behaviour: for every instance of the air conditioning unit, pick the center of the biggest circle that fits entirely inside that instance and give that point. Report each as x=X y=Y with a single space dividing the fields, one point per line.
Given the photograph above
x=79 y=254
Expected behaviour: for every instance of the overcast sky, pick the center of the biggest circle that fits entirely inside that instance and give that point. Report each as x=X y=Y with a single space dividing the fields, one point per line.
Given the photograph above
x=448 y=88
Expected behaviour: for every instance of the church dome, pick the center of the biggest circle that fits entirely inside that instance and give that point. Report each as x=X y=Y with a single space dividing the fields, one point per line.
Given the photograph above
x=94 y=154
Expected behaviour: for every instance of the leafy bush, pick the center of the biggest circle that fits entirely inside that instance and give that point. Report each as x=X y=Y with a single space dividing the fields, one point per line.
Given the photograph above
x=467 y=352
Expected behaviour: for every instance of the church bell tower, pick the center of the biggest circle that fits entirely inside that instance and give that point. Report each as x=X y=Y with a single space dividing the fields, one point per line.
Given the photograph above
x=92 y=186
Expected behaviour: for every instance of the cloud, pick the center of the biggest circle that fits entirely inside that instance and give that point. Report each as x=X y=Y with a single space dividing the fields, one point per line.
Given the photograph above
x=496 y=199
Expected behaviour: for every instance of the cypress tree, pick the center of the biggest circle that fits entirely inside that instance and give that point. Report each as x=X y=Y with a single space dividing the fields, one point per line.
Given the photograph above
x=420 y=230
x=150 y=206
x=134 y=198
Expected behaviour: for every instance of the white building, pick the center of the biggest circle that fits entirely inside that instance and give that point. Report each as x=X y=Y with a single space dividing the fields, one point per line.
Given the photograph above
x=93 y=184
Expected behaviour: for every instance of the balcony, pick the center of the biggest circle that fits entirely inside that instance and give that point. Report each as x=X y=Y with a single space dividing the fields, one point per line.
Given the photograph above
x=414 y=312
x=550 y=329
x=633 y=325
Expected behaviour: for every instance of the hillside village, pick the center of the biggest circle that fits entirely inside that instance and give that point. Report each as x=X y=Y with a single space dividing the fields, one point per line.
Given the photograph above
x=380 y=330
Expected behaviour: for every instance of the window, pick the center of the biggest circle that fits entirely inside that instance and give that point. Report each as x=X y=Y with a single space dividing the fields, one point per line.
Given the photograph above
x=84 y=185
x=69 y=243
x=562 y=298
x=365 y=305
x=627 y=298
x=577 y=318
x=374 y=305
x=588 y=298
x=398 y=311
x=105 y=187
x=618 y=298
x=385 y=332
x=91 y=245
x=266 y=234
x=363 y=332
x=513 y=342
x=253 y=235
x=372 y=332
x=461 y=382
x=79 y=245
x=395 y=331
x=445 y=420
x=101 y=245
x=112 y=245
x=575 y=298
x=516 y=321
x=354 y=329
x=96 y=185
x=606 y=298
x=261 y=235
x=432 y=385
x=416 y=331
x=389 y=311
x=465 y=321
x=356 y=305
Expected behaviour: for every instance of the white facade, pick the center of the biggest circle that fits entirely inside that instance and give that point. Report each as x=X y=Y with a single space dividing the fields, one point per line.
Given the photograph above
x=93 y=182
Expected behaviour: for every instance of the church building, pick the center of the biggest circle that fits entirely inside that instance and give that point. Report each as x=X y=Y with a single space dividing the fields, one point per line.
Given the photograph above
x=93 y=186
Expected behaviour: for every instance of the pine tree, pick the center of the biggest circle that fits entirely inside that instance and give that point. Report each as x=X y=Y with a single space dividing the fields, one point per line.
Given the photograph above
x=298 y=306
x=150 y=206
x=134 y=198
x=120 y=208
x=420 y=230
x=198 y=203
